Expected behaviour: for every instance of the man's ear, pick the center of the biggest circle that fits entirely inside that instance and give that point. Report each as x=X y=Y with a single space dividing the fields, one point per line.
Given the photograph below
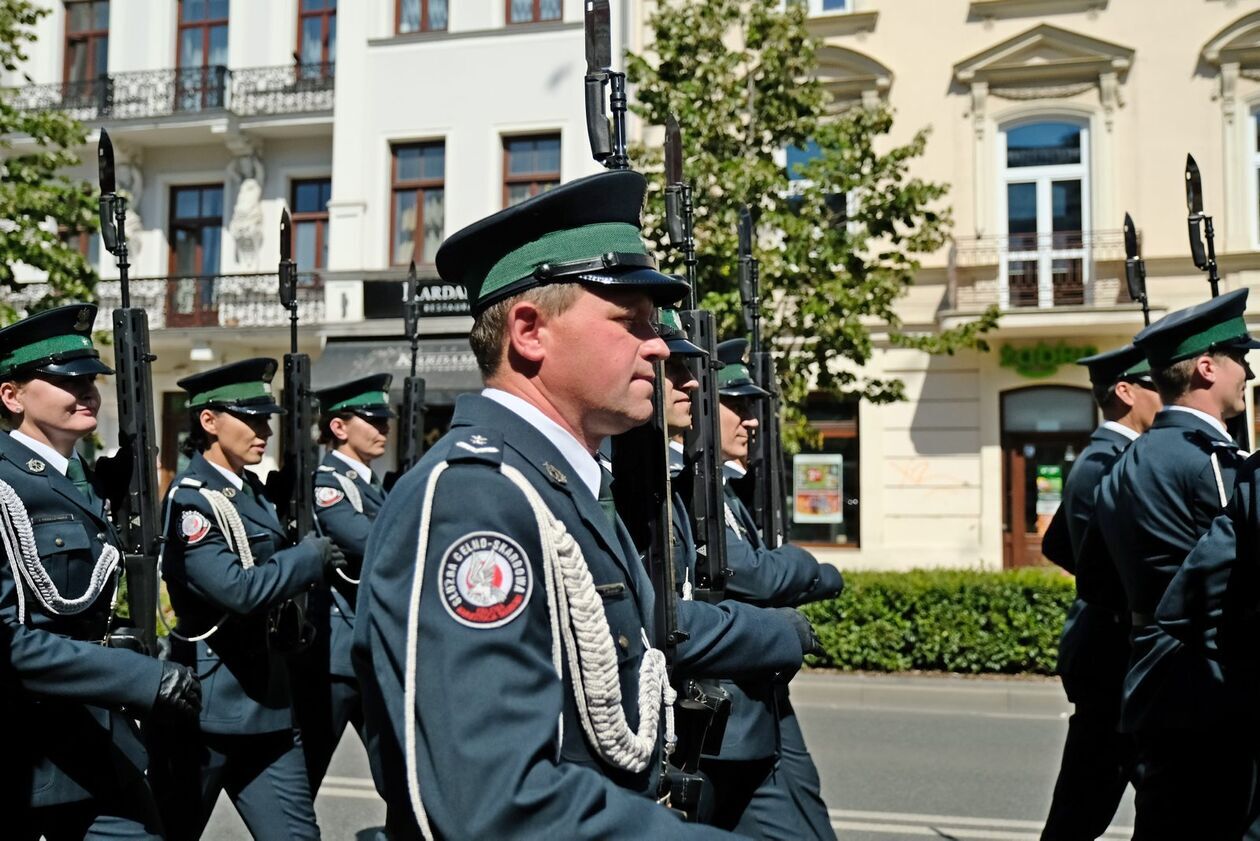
x=1125 y=393
x=524 y=325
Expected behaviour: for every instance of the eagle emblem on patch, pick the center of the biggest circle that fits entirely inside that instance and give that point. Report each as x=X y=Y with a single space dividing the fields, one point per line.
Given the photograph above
x=328 y=497
x=486 y=580
x=194 y=526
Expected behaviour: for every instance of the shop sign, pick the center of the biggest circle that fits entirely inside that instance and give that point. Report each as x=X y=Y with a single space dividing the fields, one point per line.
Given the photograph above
x=817 y=494
x=1049 y=489
x=438 y=299
x=1042 y=359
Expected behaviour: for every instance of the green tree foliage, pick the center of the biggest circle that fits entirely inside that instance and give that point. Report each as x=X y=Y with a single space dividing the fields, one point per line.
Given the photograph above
x=838 y=246
x=36 y=200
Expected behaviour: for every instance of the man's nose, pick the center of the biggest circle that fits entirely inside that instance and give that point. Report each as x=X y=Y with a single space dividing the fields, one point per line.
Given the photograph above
x=655 y=349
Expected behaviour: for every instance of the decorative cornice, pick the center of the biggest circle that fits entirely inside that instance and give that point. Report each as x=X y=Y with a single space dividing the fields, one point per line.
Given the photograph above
x=849 y=75
x=846 y=23
x=1044 y=54
x=1238 y=43
x=1022 y=8
x=1042 y=91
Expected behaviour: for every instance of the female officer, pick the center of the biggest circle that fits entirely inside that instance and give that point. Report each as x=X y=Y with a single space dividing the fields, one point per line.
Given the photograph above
x=228 y=567
x=75 y=745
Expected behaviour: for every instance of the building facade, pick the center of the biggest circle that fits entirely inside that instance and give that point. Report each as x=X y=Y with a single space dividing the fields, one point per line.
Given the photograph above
x=384 y=125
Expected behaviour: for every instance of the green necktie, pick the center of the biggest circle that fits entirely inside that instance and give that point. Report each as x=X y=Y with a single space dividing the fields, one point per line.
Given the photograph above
x=377 y=482
x=76 y=474
x=606 y=495
x=248 y=489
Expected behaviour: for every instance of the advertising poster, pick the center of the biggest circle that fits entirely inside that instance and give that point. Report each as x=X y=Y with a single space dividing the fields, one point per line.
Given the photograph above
x=817 y=492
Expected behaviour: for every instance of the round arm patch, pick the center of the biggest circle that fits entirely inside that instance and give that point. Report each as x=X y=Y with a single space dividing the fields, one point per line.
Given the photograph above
x=194 y=526
x=486 y=580
x=328 y=497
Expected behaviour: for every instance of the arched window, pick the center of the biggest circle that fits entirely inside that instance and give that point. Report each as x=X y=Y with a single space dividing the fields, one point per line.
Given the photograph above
x=1045 y=197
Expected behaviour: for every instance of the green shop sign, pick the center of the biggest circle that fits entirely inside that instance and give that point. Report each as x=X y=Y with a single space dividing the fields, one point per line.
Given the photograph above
x=1043 y=359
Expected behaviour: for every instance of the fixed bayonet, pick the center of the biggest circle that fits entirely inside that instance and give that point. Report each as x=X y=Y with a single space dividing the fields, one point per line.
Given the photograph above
x=112 y=207
x=674 y=187
x=1204 y=257
x=607 y=134
x=1135 y=268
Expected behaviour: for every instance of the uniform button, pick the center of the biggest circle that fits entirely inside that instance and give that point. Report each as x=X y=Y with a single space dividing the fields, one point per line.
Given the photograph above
x=100 y=535
x=623 y=641
x=59 y=542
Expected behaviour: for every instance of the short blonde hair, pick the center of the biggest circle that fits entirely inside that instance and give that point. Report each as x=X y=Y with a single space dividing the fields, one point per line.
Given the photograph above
x=488 y=334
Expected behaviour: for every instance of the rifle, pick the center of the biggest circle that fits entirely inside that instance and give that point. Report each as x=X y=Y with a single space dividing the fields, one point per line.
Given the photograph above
x=767 y=470
x=642 y=496
x=1135 y=269
x=292 y=483
x=704 y=706
x=135 y=498
x=1205 y=260
x=411 y=420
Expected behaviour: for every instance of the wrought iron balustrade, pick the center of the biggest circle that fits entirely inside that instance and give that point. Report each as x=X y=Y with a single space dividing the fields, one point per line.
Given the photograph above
x=175 y=303
x=143 y=94
x=1038 y=271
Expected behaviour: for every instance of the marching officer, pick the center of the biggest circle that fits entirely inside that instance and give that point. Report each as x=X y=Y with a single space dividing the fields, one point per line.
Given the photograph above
x=1098 y=760
x=1196 y=778
x=504 y=640
x=78 y=761
x=230 y=571
x=680 y=383
x=766 y=781
x=354 y=426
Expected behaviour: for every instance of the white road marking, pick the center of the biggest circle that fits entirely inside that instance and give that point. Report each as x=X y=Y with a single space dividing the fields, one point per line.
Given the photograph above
x=954 y=826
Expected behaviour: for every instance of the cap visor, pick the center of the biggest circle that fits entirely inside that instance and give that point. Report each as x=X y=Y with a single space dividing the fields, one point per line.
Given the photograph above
x=374 y=412
x=662 y=288
x=1245 y=343
x=255 y=409
x=682 y=347
x=82 y=367
x=743 y=390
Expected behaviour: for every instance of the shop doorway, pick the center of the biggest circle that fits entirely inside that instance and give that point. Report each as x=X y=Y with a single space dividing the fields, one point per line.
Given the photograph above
x=1043 y=430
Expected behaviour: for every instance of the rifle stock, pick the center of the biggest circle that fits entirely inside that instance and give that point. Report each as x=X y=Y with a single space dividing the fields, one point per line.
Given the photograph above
x=135 y=511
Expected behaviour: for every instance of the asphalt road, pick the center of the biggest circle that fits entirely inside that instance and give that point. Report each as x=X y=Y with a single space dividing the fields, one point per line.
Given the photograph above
x=900 y=758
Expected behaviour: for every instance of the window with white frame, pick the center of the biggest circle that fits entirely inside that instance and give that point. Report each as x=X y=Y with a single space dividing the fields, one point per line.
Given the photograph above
x=1045 y=202
x=1255 y=170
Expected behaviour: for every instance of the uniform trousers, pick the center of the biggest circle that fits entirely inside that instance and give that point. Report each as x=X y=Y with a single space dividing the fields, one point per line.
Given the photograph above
x=1194 y=784
x=133 y=817
x=1098 y=762
x=264 y=775
x=788 y=804
x=324 y=705
x=734 y=783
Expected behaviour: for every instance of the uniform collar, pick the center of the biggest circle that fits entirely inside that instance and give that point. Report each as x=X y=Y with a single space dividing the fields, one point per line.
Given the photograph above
x=365 y=472
x=733 y=470
x=1120 y=429
x=238 y=482
x=1203 y=416
x=54 y=459
x=574 y=453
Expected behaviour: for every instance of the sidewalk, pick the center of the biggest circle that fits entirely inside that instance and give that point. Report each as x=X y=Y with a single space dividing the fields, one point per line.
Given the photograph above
x=926 y=693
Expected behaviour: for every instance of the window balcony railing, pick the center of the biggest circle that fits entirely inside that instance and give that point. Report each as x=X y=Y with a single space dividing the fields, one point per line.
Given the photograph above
x=178 y=303
x=146 y=94
x=1038 y=271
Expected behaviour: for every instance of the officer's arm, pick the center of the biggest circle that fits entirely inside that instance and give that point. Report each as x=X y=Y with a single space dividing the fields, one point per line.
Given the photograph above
x=47 y=664
x=348 y=528
x=488 y=699
x=1211 y=600
x=828 y=584
x=771 y=577
x=734 y=640
x=1056 y=543
x=214 y=572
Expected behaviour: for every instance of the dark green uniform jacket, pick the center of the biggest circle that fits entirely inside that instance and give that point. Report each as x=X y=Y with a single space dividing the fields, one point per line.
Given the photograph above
x=1094 y=648
x=489 y=705
x=349 y=529
x=71 y=736
x=1158 y=500
x=244 y=683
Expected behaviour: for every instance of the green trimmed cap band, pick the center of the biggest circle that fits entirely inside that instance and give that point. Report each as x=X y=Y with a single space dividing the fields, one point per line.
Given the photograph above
x=734 y=378
x=56 y=342
x=1109 y=367
x=586 y=231
x=365 y=396
x=242 y=387
x=1217 y=324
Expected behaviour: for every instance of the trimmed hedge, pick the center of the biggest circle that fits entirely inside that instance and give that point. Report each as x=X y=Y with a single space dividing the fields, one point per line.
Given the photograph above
x=945 y=620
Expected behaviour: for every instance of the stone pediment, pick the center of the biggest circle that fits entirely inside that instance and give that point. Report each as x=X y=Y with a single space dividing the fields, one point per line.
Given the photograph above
x=1045 y=54
x=1238 y=43
x=850 y=76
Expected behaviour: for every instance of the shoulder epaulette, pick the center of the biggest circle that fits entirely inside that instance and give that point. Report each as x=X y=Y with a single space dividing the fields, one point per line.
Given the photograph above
x=476 y=445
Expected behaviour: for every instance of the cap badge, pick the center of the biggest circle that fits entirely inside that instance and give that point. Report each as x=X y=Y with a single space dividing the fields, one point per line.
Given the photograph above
x=84 y=320
x=554 y=472
x=35 y=466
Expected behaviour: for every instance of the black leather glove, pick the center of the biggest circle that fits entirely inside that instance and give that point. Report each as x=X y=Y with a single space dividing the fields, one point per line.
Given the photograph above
x=804 y=630
x=330 y=555
x=179 y=690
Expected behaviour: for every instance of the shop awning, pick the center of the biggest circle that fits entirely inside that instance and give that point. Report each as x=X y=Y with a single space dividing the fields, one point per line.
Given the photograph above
x=447 y=365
